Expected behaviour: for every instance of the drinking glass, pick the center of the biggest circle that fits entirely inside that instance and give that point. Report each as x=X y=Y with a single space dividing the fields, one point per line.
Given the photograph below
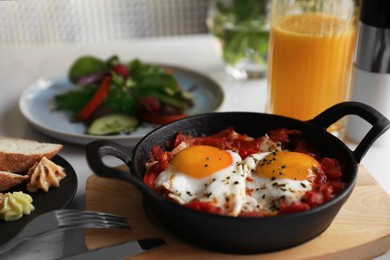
x=312 y=43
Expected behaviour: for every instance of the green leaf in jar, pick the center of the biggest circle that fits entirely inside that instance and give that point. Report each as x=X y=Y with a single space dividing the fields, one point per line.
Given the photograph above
x=242 y=29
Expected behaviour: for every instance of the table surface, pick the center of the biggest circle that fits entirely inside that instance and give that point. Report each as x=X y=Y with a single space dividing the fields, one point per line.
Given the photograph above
x=21 y=66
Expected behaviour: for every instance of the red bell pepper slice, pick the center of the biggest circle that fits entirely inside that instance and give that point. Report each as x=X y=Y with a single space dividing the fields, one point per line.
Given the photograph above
x=96 y=100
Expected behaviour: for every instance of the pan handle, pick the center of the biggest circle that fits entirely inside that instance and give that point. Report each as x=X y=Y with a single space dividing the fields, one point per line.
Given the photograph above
x=379 y=122
x=96 y=150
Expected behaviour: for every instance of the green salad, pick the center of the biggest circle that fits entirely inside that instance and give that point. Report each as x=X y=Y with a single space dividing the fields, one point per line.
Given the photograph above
x=113 y=97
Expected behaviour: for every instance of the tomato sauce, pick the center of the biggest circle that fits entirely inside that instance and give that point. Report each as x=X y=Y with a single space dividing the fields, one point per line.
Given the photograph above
x=327 y=184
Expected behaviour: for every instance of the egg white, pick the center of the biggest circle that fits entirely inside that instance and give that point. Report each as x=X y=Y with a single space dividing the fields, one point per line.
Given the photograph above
x=266 y=194
x=224 y=188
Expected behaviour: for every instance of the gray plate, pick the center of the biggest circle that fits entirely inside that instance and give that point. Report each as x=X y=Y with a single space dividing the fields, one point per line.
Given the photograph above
x=37 y=102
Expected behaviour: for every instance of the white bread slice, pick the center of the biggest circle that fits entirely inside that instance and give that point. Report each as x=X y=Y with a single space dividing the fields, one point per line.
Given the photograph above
x=18 y=155
x=9 y=180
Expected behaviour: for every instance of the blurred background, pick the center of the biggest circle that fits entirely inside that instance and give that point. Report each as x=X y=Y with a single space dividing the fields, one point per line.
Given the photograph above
x=30 y=22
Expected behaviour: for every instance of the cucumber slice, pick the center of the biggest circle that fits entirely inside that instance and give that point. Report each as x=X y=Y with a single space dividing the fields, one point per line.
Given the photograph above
x=113 y=124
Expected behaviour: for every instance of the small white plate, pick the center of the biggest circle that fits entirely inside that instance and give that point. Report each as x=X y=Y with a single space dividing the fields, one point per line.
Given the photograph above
x=37 y=105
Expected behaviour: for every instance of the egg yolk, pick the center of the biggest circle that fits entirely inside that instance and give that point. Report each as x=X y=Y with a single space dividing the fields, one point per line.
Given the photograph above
x=286 y=165
x=201 y=160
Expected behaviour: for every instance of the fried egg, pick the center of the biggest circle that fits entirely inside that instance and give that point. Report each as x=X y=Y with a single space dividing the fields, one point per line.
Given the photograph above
x=207 y=174
x=276 y=176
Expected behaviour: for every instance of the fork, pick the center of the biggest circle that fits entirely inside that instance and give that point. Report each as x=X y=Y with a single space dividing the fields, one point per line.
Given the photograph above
x=64 y=219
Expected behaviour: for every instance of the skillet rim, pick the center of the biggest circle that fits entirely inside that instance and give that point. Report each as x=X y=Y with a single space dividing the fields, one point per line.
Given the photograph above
x=342 y=195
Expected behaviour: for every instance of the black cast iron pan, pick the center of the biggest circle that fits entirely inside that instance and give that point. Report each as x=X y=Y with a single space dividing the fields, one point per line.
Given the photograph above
x=240 y=234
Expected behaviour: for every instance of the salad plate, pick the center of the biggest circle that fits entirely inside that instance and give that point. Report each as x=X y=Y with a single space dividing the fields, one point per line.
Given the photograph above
x=37 y=106
x=55 y=198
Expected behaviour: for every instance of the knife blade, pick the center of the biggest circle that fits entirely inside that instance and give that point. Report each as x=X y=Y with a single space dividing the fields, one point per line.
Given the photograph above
x=119 y=251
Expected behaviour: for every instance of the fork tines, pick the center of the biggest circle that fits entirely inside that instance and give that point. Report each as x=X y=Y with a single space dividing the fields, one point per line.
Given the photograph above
x=70 y=217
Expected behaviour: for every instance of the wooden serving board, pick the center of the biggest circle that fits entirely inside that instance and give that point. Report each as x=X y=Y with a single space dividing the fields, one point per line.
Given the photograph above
x=361 y=230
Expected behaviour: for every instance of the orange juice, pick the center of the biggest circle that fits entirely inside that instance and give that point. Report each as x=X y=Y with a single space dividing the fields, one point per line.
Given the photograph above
x=310 y=64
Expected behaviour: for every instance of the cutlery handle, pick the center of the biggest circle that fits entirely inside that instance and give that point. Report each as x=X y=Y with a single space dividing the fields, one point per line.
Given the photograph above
x=119 y=251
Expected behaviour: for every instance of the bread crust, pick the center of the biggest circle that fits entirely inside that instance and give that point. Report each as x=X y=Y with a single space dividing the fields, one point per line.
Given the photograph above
x=21 y=162
x=9 y=180
x=16 y=160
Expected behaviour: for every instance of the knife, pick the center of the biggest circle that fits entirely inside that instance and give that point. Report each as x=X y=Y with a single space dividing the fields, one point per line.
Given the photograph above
x=119 y=251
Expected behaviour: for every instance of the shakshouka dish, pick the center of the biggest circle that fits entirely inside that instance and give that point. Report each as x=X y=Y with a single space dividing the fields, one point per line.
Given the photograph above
x=233 y=174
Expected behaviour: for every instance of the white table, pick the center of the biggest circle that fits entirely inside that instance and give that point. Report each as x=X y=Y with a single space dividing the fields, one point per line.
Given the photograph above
x=20 y=66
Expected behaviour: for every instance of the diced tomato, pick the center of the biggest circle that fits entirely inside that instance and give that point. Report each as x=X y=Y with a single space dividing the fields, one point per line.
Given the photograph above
x=332 y=168
x=212 y=141
x=293 y=207
x=313 y=198
x=280 y=135
x=337 y=186
x=122 y=70
x=204 y=206
x=179 y=138
x=327 y=191
x=284 y=135
x=258 y=214
x=321 y=177
x=149 y=179
x=228 y=133
x=246 y=152
x=163 y=158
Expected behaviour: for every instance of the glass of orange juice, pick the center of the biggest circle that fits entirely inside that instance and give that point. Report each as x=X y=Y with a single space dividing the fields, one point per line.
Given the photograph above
x=311 y=50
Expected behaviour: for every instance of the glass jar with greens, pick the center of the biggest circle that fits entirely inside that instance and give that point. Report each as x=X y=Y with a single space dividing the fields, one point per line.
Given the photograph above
x=241 y=28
